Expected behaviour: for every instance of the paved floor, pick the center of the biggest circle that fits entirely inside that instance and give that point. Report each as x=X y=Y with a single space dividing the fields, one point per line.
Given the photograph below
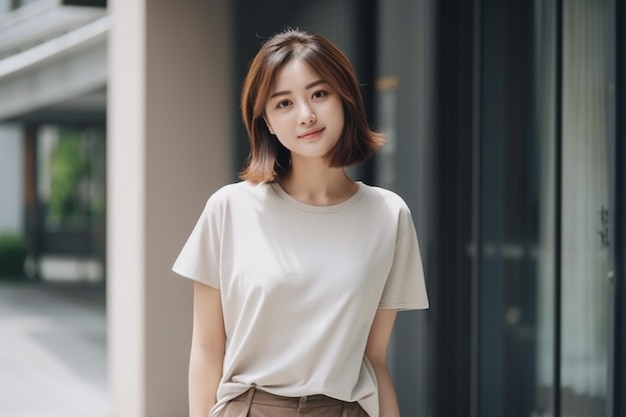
x=52 y=351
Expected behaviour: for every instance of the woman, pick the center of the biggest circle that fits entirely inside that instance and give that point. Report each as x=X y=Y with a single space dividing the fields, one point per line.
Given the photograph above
x=300 y=270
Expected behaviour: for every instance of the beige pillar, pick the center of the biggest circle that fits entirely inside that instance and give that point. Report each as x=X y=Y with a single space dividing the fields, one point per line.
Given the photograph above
x=169 y=113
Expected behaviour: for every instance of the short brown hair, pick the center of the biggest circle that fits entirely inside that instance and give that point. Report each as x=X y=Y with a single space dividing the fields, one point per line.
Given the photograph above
x=269 y=159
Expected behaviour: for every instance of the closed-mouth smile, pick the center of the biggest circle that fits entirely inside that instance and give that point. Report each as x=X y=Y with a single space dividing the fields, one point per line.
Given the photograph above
x=310 y=134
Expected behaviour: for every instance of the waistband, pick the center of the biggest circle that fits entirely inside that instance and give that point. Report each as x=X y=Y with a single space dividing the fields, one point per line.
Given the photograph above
x=258 y=396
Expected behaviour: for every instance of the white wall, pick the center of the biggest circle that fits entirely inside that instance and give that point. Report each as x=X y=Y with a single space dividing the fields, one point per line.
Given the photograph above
x=11 y=179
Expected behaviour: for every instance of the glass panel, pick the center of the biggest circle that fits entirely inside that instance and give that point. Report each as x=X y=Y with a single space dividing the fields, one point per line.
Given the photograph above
x=586 y=219
x=71 y=194
x=517 y=209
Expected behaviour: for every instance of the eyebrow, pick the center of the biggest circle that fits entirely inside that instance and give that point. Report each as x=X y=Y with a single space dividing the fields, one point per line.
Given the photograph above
x=307 y=87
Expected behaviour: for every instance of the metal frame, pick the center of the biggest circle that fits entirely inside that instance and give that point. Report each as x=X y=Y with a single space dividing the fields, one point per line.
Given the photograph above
x=476 y=226
x=558 y=205
x=619 y=379
x=453 y=322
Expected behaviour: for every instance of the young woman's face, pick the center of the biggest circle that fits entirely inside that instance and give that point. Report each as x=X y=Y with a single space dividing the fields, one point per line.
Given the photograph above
x=304 y=113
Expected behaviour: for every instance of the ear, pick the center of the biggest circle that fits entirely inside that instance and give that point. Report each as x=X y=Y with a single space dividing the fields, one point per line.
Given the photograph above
x=269 y=126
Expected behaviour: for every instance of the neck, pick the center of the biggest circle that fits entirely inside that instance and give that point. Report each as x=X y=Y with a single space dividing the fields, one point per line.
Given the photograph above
x=314 y=182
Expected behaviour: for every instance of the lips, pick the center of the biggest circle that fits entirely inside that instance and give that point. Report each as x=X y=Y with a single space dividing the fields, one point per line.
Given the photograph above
x=311 y=133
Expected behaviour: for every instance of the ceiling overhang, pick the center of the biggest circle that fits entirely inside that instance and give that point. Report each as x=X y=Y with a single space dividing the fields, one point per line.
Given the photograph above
x=56 y=71
x=45 y=19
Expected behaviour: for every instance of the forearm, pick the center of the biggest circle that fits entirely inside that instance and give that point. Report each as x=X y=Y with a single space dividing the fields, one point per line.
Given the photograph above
x=387 y=397
x=205 y=372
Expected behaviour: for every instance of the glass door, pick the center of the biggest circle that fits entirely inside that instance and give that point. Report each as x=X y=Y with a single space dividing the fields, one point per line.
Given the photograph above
x=517 y=209
x=587 y=206
x=519 y=212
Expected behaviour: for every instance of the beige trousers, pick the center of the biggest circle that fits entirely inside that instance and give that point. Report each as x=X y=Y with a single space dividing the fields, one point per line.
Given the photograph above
x=257 y=403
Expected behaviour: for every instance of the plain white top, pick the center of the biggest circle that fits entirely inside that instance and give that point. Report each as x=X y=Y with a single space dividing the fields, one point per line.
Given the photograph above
x=300 y=286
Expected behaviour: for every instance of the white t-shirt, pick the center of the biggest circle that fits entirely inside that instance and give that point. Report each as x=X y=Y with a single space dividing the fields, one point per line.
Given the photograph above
x=300 y=286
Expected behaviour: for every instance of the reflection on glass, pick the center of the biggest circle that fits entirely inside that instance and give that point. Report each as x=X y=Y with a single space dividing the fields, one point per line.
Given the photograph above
x=587 y=46
x=517 y=209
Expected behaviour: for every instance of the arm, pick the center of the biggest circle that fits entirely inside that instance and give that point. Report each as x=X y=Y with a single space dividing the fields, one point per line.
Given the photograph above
x=207 y=349
x=376 y=352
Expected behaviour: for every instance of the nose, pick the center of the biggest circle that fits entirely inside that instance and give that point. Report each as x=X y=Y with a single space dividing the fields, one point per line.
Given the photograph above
x=307 y=116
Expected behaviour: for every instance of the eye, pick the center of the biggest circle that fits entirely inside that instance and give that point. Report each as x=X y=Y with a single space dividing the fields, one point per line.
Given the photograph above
x=320 y=94
x=282 y=104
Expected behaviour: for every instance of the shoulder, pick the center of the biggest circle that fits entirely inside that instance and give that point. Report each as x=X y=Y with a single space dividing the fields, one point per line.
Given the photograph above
x=237 y=190
x=386 y=204
x=384 y=198
x=241 y=193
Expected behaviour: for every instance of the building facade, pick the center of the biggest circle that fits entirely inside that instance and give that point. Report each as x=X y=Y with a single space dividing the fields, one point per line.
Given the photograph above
x=505 y=127
x=53 y=77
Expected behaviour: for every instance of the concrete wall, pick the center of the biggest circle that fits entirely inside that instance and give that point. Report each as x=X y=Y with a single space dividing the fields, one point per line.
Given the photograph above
x=169 y=134
x=11 y=179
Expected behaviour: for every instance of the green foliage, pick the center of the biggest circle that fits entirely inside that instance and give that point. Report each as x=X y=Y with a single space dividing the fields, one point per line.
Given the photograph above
x=12 y=256
x=70 y=173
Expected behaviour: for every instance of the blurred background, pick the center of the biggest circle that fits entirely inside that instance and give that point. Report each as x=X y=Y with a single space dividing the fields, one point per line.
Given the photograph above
x=505 y=127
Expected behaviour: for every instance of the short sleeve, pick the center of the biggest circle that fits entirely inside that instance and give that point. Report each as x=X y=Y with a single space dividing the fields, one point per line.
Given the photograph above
x=405 y=288
x=199 y=258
